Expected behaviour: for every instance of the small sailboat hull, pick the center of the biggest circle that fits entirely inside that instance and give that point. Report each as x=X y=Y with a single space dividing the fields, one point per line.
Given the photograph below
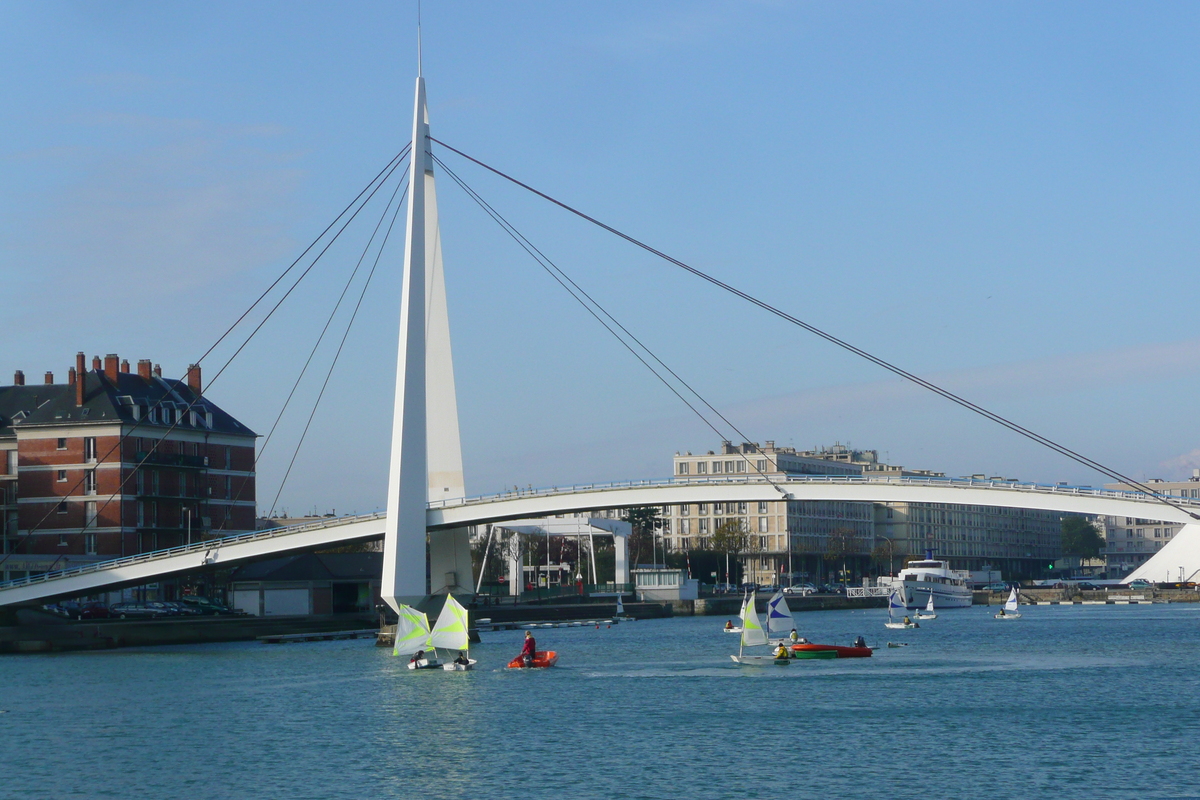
x=541 y=660
x=454 y=666
x=901 y=625
x=1007 y=616
x=733 y=630
x=921 y=615
x=753 y=661
x=425 y=663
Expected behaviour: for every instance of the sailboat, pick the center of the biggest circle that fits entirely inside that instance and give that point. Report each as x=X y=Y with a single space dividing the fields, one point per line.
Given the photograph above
x=450 y=632
x=412 y=636
x=753 y=635
x=928 y=613
x=779 y=618
x=620 y=617
x=1010 y=607
x=894 y=602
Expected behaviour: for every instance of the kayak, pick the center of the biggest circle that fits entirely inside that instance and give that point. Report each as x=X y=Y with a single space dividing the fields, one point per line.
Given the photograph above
x=838 y=652
x=542 y=658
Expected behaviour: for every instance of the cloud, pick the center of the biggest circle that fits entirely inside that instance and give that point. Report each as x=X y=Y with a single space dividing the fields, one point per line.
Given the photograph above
x=1180 y=467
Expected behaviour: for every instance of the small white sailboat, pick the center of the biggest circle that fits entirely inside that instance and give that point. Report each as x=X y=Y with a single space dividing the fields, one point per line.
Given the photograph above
x=928 y=613
x=896 y=601
x=620 y=617
x=753 y=635
x=736 y=628
x=412 y=635
x=779 y=618
x=450 y=633
x=1010 y=606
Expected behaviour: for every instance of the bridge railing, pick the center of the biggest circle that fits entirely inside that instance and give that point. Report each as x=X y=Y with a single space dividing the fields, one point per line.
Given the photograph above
x=783 y=482
x=206 y=545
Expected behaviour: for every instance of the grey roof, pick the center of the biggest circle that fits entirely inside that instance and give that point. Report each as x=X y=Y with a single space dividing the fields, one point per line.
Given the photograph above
x=106 y=401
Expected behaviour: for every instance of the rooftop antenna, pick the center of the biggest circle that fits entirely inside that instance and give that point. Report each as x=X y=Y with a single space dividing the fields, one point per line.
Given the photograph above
x=418 y=38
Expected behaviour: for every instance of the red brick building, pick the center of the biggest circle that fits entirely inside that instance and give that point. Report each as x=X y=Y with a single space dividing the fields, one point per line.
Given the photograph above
x=114 y=463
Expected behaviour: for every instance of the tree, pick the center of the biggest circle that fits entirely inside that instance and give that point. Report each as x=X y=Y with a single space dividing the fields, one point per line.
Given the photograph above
x=842 y=542
x=732 y=539
x=644 y=520
x=1081 y=538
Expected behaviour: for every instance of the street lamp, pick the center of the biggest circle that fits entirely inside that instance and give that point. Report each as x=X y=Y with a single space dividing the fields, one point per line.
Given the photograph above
x=889 y=541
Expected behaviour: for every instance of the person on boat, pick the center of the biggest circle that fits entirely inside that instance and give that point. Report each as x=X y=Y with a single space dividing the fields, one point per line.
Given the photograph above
x=417 y=656
x=907 y=621
x=782 y=652
x=795 y=637
x=462 y=659
x=860 y=642
x=529 y=650
x=1001 y=614
x=728 y=624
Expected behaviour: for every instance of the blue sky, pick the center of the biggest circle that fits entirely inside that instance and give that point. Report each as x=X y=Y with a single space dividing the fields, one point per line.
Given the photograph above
x=999 y=197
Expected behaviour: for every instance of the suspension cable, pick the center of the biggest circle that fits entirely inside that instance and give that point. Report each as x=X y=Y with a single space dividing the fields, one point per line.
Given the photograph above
x=575 y=290
x=967 y=404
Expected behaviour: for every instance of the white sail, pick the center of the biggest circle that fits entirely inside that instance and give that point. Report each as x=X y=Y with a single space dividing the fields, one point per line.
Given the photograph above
x=752 y=629
x=929 y=605
x=620 y=605
x=894 y=601
x=412 y=629
x=1011 y=605
x=450 y=630
x=779 y=616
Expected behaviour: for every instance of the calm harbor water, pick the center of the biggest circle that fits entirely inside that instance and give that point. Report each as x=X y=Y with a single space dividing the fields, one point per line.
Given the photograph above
x=1091 y=701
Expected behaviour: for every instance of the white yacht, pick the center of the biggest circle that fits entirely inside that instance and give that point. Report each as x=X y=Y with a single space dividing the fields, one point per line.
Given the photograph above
x=921 y=579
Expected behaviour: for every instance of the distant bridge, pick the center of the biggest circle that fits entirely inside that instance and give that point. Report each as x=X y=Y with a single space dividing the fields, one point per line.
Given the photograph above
x=457 y=514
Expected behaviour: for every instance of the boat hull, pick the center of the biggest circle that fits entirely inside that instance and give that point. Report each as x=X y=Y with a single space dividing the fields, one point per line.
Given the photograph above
x=541 y=660
x=425 y=663
x=454 y=666
x=808 y=651
x=901 y=625
x=916 y=595
x=1007 y=616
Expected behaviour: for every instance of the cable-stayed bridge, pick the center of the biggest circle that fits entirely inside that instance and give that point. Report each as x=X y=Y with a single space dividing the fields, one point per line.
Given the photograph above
x=426 y=526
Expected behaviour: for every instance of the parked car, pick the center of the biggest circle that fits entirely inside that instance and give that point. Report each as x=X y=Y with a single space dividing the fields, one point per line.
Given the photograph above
x=1141 y=583
x=801 y=589
x=996 y=587
x=136 y=610
x=182 y=609
x=207 y=606
x=93 y=610
x=1086 y=587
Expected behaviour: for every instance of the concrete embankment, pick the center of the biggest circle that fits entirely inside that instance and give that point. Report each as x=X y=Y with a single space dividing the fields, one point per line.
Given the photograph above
x=37 y=632
x=1076 y=596
x=731 y=606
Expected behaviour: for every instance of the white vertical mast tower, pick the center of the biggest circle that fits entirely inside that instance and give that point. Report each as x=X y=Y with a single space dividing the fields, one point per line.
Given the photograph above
x=426 y=457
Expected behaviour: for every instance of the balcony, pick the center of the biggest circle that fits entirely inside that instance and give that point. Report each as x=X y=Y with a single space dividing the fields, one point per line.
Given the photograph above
x=172 y=460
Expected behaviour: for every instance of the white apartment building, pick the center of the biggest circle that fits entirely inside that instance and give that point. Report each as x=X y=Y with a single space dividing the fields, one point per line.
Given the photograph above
x=1129 y=542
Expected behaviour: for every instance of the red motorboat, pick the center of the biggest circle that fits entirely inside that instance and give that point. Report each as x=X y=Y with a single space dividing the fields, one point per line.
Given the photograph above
x=842 y=652
x=542 y=658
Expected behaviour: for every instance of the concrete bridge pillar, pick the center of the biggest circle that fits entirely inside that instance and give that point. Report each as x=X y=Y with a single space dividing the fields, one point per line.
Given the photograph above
x=450 y=568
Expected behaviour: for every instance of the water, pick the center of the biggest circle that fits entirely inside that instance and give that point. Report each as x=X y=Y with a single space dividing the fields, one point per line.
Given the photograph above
x=1091 y=701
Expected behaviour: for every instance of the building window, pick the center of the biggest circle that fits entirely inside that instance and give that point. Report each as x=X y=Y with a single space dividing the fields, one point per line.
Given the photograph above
x=62 y=476
x=685 y=527
x=89 y=482
x=762 y=524
x=89 y=448
x=89 y=514
x=228 y=457
x=62 y=507
x=762 y=507
x=683 y=468
x=716 y=467
x=741 y=466
x=728 y=467
x=89 y=543
x=62 y=444
x=703 y=508
x=762 y=465
x=701 y=467
x=719 y=508
x=889 y=512
x=703 y=526
x=229 y=487
x=685 y=510
x=741 y=508
x=62 y=540
x=153 y=481
x=141 y=514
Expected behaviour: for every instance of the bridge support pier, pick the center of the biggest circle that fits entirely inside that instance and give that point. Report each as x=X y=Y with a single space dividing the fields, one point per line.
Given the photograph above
x=450 y=568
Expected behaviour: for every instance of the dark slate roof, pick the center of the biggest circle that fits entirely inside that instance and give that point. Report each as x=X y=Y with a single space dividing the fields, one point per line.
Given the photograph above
x=104 y=401
x=314 y=567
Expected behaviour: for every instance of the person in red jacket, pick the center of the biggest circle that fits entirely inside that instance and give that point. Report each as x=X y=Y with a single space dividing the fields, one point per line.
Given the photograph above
x=528 y=651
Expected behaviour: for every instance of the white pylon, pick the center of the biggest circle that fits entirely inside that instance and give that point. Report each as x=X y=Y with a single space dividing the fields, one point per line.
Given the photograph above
x=426 y=458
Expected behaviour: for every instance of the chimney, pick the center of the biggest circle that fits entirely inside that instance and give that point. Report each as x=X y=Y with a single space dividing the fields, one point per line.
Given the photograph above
x=111 y=364
x=144 y=368
x=49 y=378
x=71 y=376
x=125 y=365
x=80 y=377
x=193 y=377
x=158 y=370
x=18 y=378
x=95 y=363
